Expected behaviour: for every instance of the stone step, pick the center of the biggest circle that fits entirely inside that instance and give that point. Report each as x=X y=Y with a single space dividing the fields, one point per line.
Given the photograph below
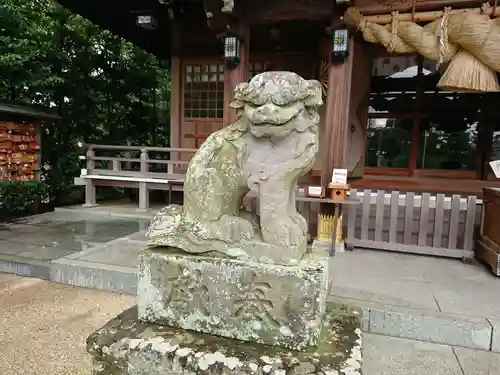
x=26 y=267
x=427 y=325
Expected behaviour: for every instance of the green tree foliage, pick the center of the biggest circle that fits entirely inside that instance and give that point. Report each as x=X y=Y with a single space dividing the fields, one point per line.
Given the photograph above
x=106 y=90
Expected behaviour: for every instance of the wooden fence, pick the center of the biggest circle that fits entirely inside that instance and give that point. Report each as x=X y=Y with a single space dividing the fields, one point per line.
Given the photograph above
x=406 y=222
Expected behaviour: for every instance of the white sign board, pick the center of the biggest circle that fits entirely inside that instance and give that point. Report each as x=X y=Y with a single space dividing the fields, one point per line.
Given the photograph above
x=495 y=165
x=339 y=176
x=315 y=190
x=83 y=172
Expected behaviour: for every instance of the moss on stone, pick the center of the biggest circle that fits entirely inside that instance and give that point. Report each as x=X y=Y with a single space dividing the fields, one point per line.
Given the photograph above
x=130 y=347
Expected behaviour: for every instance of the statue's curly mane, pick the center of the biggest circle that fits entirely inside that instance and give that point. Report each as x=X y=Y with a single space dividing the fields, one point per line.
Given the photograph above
x=293 y=88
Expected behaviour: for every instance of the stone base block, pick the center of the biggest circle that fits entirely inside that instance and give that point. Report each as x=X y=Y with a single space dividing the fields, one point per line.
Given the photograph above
x=264 y=303
x=127 y=346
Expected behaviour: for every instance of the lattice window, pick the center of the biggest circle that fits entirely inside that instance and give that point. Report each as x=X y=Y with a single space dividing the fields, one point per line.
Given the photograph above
x=204 y=91
x=257 y=68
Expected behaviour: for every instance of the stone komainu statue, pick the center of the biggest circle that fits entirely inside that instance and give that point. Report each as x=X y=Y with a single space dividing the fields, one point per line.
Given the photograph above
x=273 y=142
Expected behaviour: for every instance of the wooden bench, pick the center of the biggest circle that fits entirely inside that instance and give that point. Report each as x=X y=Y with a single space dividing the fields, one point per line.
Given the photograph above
x=126 y=171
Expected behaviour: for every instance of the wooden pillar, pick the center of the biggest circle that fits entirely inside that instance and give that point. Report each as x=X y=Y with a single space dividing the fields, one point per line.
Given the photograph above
x=175 y=101
x=358 y=109
x=416 y=130
x=278 y=63
x=176 y=76
x=237 y=75
x=337 y=117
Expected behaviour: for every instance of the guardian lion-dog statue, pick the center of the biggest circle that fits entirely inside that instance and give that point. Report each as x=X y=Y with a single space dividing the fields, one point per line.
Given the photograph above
x=273 y=142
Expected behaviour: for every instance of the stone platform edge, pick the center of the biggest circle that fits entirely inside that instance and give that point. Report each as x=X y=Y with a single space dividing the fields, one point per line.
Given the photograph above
x=103 y=211
x=427 y=325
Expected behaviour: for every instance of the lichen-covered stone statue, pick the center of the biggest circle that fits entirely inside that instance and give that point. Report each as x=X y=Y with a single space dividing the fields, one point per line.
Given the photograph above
x=273 y=142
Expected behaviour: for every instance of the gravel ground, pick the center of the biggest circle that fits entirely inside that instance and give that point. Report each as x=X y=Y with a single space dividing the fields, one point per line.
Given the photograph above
x=44 y=325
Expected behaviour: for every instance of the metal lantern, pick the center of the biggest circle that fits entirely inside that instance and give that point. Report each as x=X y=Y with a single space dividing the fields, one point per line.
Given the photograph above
x=232 y=49
x=147 y=21
x=340 y=43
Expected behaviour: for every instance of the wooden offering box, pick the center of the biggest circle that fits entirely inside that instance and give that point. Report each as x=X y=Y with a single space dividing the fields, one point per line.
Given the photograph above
x=19 y=151
x=338 y=192
x=488 y=243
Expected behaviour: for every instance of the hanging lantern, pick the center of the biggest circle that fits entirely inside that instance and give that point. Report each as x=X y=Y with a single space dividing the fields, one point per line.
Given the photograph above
x=340 y=43
x=147 y=21
x=232 y=49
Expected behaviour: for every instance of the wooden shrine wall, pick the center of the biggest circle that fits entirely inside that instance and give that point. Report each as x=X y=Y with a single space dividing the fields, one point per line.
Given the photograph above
x=19 y=151
x=201 y=100
x=202 y=93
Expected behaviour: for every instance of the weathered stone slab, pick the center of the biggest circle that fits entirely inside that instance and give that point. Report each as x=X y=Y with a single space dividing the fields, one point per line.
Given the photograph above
x=441 y=328
x=265 y=303
x=127 y=346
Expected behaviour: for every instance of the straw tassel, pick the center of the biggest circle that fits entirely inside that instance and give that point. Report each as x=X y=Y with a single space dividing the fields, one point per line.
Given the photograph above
x=466 y=39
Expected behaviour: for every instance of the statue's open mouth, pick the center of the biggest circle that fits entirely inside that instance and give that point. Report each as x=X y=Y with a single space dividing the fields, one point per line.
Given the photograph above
x=270 y=114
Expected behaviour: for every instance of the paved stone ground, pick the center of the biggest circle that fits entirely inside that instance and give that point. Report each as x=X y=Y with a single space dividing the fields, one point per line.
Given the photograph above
x=385 y=355
x=51 y=236
x=44 y=327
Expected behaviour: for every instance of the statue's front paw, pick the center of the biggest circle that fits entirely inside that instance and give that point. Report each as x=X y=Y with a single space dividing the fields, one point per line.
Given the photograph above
x=301 y=222
x=236 y=228
x=284 y=233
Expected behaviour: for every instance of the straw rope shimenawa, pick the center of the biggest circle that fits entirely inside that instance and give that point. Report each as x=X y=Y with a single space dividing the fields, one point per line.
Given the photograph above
x=467 y=39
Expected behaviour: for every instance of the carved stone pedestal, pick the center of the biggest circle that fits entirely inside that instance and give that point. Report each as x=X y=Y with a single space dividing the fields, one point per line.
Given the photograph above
x=127 y=346
x=264 y=303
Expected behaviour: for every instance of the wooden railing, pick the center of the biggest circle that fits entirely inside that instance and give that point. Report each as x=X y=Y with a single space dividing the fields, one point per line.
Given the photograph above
x=403 y=222
x=145 y=168
x=413 y=223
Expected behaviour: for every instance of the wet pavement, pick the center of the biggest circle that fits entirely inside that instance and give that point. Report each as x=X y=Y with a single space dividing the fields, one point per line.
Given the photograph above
x=55 y=235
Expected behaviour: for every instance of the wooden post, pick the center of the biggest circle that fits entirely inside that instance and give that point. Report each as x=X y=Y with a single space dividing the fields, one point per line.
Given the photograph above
x=416 y=130
x=117 y=165
x=176 y=77
x=90 y=193
x=237 y=75
x=358 y=109
x=175 y=102
x=337 y=117
x=143 y=186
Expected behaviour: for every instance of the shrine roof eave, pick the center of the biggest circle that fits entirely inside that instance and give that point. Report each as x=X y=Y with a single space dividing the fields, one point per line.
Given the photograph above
x=119 y=17
x=27 y=111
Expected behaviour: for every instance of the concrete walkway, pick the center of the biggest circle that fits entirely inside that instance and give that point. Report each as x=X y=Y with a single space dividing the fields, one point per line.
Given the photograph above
x=385 y=355
x=429 y=299
x=45 y=325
